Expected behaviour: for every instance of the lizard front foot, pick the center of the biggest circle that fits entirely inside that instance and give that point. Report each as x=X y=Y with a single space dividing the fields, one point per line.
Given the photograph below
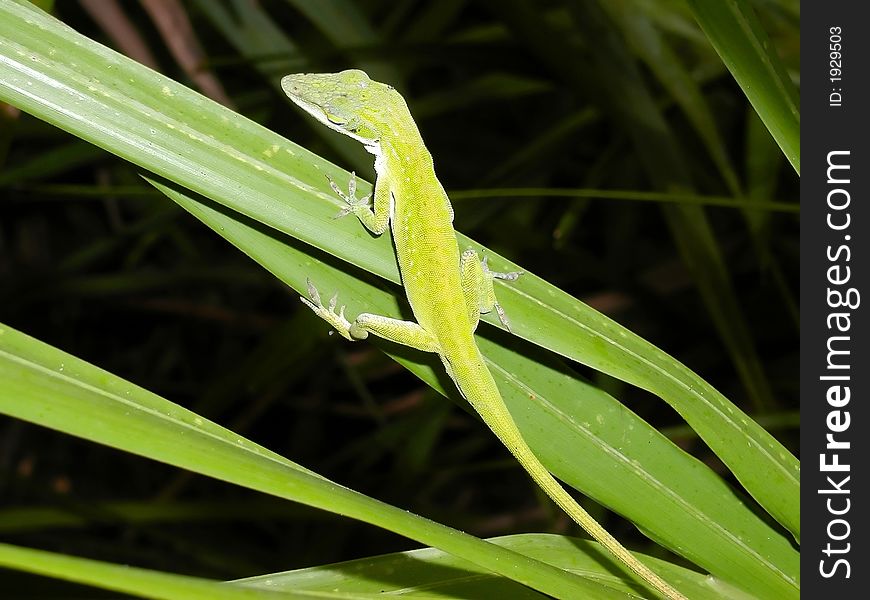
x=354 y=205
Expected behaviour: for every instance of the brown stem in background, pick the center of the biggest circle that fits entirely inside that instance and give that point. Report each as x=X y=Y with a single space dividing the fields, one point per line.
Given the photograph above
x=109 y=16
x=174 y=26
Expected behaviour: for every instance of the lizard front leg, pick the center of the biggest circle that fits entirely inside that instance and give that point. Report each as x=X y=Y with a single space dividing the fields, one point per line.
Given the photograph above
x=374 y=215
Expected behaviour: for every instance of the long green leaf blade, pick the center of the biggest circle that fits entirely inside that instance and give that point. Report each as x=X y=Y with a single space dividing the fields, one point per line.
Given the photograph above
x=138 y=582
x=741 y=41
x=44 y=385
x=419 y=573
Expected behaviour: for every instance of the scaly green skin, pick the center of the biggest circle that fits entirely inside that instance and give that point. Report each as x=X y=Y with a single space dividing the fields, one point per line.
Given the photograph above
x=446 y=291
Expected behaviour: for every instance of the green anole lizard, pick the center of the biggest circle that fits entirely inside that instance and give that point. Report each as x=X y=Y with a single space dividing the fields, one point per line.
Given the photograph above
x=447 y=292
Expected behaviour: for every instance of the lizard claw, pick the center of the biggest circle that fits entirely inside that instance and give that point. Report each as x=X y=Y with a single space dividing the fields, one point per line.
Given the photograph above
x=512 y=276
x=502 y=317
x=312 y=291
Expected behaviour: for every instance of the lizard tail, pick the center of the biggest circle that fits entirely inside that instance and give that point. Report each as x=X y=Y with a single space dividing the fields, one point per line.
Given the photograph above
x=484 y=396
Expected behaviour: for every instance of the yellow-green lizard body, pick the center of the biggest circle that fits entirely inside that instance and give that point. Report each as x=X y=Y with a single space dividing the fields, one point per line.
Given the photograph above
x=447 y=292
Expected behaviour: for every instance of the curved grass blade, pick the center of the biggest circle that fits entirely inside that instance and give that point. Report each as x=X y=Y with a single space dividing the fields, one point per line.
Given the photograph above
x=421 y=573
x=740 y=40
x=651 y=47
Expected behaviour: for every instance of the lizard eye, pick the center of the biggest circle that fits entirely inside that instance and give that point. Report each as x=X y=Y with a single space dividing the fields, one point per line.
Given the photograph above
x=352 y=125
x=333 y=116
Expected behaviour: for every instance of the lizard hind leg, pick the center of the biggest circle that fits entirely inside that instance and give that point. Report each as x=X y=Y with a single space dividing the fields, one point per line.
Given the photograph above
x=478 y=289
x=402 y=332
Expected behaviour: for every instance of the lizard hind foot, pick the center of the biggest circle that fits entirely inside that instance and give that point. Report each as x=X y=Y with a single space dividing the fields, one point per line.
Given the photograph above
x=511 y=276
x=338 y=321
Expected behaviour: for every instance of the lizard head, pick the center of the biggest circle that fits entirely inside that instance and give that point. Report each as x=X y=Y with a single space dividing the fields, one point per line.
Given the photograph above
x=348 y=102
